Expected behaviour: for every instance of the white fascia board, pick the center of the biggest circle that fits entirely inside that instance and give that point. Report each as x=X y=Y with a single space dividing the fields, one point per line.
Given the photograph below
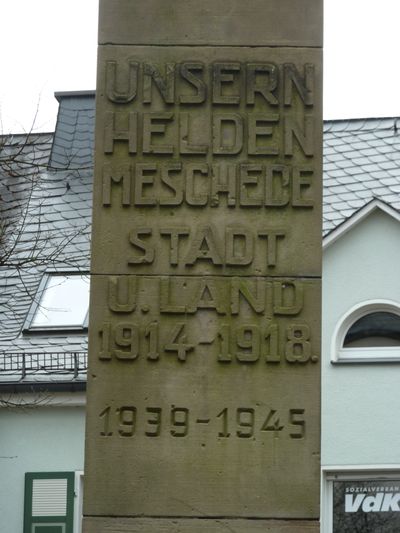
x=358 y=217
x=361 y=468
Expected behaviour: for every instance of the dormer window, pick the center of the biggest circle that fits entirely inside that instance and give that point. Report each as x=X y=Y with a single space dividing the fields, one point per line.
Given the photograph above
x=368 y=333
x=61 y=303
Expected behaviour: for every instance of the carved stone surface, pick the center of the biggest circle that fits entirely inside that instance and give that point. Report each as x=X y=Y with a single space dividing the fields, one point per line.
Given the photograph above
x=205 y=301
x=203 y=396
x=211 y=22
x=228 y=158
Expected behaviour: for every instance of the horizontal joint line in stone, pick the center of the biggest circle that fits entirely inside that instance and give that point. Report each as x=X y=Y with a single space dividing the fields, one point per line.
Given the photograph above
x=202 y=517
x=227 y=276
x=188 y=45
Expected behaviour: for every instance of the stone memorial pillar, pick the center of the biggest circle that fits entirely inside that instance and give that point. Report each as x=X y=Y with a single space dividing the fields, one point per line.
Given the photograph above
x=204 y=380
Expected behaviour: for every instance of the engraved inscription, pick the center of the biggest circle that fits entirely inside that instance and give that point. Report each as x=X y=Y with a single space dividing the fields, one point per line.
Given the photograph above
x=253 y=423
x=236 y=246
x=223 y=296
x=250 y=321
x=222 y=140
x=230 y=133
x=124 y=341
x=204 y=332
x=193 y=82
x=246 y=343
x=255 y=185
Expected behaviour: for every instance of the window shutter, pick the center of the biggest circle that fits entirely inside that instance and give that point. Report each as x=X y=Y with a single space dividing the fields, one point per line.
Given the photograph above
x=49 y=502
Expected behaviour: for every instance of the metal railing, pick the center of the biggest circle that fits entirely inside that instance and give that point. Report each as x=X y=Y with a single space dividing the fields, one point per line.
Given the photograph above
x=54 y=363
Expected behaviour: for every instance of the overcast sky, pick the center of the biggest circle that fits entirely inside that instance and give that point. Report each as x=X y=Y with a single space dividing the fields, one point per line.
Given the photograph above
x=50 y=45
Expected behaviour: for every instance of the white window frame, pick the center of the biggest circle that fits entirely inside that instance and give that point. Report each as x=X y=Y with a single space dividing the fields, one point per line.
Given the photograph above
x=78 y=507
x=349 y=473
x=375 y=354
x=28 y=326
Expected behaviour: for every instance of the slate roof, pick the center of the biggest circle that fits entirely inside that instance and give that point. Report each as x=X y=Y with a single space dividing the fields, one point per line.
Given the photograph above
x=48 y=205
x=46 y=213
x=361 y=163
x=73 y=144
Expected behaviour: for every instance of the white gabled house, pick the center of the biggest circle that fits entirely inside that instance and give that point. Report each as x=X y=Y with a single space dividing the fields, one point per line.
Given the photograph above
x=361 y=327
x=43 y=323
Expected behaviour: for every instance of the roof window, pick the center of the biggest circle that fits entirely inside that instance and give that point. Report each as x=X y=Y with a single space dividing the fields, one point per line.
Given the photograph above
x=61 y=303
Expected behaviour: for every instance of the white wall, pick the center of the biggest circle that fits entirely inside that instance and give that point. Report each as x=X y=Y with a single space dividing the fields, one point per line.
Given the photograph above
x=35 y=440
x=360 y=402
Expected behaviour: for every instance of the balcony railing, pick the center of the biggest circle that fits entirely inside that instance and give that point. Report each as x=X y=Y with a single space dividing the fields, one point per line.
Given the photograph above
x=41 y=364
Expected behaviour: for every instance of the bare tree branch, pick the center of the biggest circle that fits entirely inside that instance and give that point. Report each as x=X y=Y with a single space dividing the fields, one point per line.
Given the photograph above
x=41 y=228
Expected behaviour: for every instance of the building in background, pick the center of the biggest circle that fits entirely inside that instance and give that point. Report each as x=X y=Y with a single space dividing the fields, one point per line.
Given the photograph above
x=45 y=211
x=361 y=327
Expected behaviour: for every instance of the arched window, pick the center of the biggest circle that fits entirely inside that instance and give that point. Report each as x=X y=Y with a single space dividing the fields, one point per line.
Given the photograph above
x=369 y=332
